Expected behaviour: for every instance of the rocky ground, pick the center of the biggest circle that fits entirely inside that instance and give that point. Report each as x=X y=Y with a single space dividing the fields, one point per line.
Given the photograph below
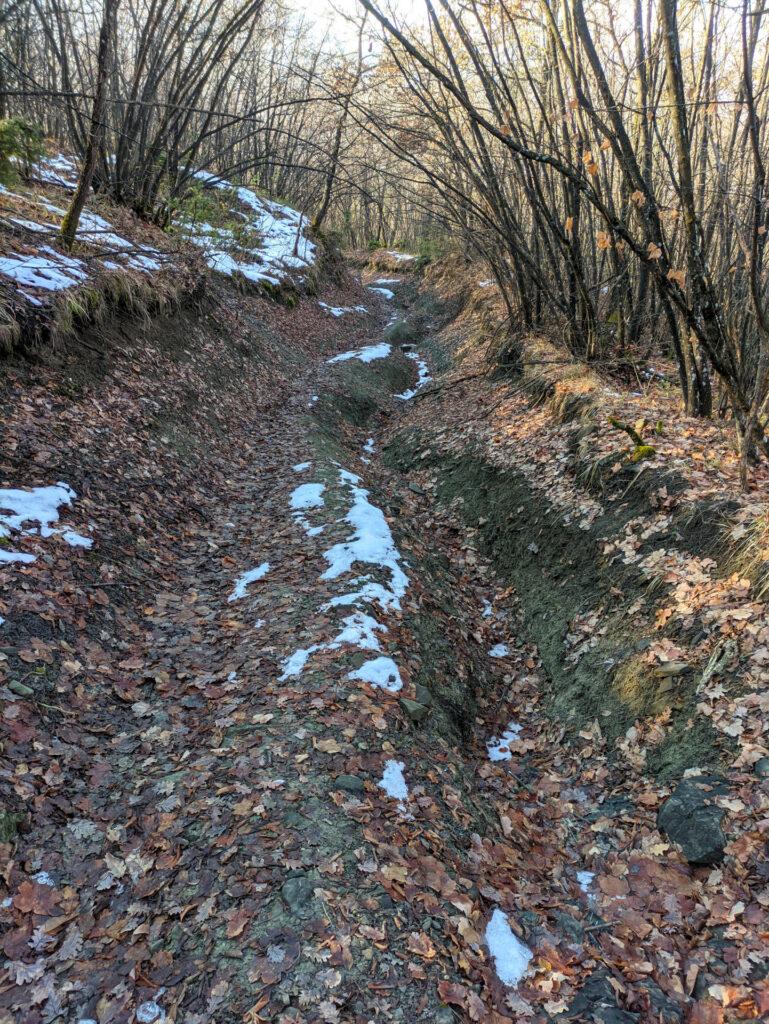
x=277 y=741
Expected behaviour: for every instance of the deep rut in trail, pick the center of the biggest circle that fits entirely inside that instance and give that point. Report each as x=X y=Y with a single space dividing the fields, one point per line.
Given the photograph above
x=321 y=785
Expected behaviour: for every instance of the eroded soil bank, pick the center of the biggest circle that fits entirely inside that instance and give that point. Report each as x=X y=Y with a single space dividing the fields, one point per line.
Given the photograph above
x=280 y=745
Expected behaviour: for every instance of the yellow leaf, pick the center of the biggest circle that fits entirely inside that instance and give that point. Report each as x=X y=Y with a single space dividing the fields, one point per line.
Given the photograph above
x=637 y=197
x=569 y=223
x=679 y=276
x=654 y=251
x=606 y=144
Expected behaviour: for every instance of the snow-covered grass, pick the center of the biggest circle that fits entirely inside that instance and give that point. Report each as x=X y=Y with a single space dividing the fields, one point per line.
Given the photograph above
x=367 y=354
x=386 y=293
x=283 y=247
x=511 y=957
x=246 y=578
x=46 y=269
x=370 y=545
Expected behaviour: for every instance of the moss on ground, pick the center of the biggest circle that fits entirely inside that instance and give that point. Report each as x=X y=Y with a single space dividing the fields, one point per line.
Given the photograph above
x=559 y=574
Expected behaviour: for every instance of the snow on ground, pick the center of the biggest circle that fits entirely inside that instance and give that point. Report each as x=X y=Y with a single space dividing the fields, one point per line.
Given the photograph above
x=19 y=509
x=300 y=467
x=46 y=269
x=384 y=292
x=400 y=257
x=488 y=610
x=282 y=248
x=367 y=354
x=511 y=957
x=369 y=545
x=499 y=747
x=303 y=498
x=499 y=651
x=393 y=782
x=382 y=673
x=56 y=170
x=307 y=496
x=585 y=880
x=387 y=280
x=246 y=578
x=338 y=311
x=423 y=376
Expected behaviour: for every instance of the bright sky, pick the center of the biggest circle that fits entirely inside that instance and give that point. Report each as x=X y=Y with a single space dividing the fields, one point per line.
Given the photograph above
x=335 y=14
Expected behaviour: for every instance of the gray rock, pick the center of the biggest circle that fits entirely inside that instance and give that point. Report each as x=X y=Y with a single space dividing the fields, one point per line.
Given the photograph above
x=596 y=1002
x=415 y=711
x=423 y=695
x=691 y=819
x=761 y=768
x=298 y=894
x=350 y=783
x=415 y=488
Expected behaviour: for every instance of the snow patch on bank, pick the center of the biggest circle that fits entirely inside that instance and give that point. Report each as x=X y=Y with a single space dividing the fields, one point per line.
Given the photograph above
x=382 y=673
x=283 y=246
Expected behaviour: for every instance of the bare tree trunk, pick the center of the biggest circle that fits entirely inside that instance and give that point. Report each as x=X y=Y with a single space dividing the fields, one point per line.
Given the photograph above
x=71 y=219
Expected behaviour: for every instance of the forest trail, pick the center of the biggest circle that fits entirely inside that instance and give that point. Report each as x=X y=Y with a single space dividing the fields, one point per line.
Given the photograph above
x=339 y=797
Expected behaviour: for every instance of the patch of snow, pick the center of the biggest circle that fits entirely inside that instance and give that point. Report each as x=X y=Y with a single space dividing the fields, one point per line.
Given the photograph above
x=387 y=280
x=247 y=578
x=511 y=957
x=300 y=467
x=56 y=170
x=366 y=355
x=585 y=879
x=307 y=496
x=393 y=782
x=384 y=292
x=499 y=651
x=39 y=505
x=43 y=878
x=150 y=1013
x=382 y=673
x=259 y=623
x=499 y=747
x=401 y=257
x=371 y=543
x=488 y=610
x=486 y=284
x=338 y=311
x=51 y=272
x=368 y=447
x=283 y=244
x=423 y=376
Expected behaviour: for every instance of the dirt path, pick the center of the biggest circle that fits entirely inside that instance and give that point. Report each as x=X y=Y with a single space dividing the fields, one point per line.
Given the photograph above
x=304 y=775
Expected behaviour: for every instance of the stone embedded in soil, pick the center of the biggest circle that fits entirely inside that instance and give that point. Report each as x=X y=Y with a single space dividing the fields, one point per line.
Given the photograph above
x=414 y=710
x=690 y=818
x=761 y=768
x=424 y=696
x=350 y=783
